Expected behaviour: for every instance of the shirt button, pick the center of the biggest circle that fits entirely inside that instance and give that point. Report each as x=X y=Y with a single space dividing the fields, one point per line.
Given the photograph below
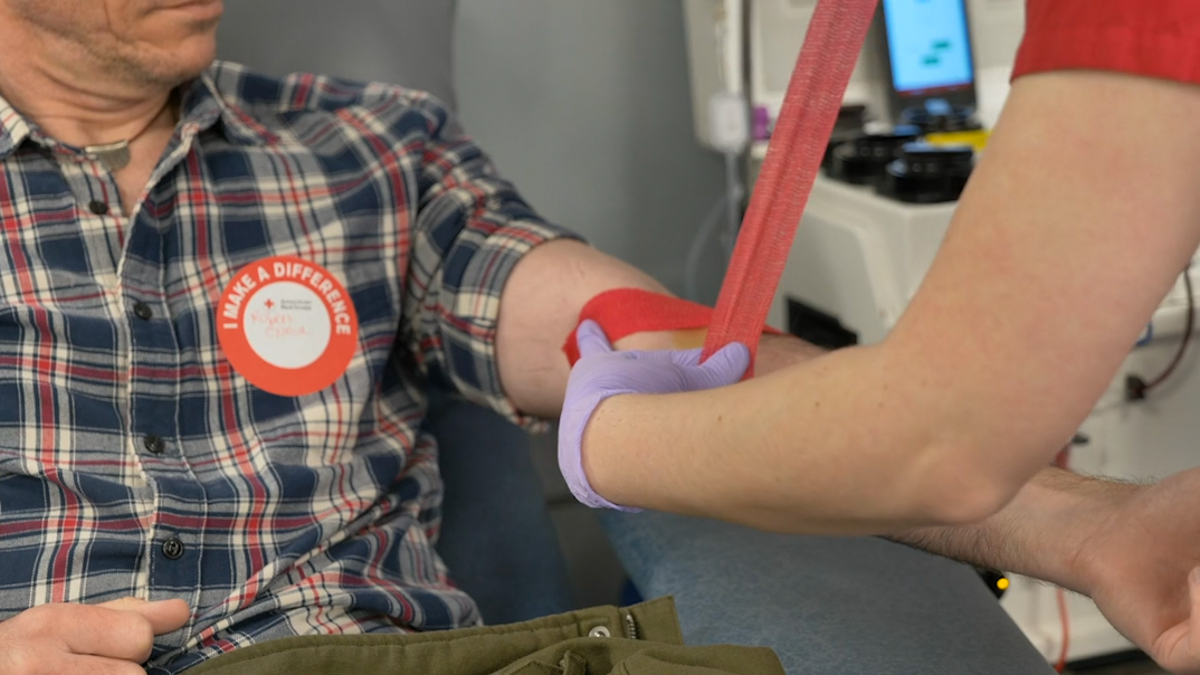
x=142 y=311
x=155 y=444
x=97 y=207
x=173 y=548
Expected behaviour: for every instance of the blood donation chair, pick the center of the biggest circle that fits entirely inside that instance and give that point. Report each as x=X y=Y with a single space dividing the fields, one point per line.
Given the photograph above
x=829 y=606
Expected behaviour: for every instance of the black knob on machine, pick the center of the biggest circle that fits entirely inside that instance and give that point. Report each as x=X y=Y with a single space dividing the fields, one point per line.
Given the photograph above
x=861 y=161
x=928 y=174
x=939 y=116
x=997 y=582
x=849 y=126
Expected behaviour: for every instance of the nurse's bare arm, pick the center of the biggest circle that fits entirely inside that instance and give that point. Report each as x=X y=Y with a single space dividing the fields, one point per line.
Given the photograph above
x=1079 y=218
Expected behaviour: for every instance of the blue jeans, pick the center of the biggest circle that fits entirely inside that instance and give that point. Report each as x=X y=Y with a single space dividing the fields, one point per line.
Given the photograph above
x=828 y=606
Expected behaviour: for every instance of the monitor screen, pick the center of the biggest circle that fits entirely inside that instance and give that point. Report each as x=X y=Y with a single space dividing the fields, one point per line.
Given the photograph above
x=928 y=45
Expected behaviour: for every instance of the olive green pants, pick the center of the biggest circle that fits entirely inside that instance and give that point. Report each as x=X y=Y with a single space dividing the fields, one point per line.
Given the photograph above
x=637 y=640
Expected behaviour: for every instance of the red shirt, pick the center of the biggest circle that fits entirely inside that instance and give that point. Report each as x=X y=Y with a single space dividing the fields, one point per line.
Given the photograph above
x=1155 y=38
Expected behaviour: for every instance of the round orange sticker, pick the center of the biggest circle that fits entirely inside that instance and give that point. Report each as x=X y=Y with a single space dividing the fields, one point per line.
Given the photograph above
x=287 y=325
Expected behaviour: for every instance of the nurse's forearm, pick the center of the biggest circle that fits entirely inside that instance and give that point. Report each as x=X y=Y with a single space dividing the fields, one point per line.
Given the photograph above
x=1040 y=534
x=1059 y=251
x=823 y=447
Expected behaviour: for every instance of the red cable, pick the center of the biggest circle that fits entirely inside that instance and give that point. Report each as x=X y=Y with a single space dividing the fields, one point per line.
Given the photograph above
x=814 y=96
x=1063 y=461
x=1188 y=327
x=1066 y=631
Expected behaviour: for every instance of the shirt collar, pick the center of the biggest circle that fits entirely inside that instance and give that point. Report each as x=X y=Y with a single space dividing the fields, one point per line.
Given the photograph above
x=203 y=107
x=14 y=129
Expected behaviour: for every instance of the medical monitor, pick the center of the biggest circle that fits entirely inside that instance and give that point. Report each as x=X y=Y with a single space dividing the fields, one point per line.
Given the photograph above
x=927 y=53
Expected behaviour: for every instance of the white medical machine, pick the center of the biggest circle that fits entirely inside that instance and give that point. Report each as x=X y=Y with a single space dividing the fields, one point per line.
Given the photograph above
x=872 y=228
x=749 y=47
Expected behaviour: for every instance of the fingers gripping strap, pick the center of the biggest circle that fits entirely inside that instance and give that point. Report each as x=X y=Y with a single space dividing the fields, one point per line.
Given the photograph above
x=625 y=311
x=831 y=48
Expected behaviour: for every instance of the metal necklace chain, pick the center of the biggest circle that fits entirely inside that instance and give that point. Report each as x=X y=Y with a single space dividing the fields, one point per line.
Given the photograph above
x=116 y=156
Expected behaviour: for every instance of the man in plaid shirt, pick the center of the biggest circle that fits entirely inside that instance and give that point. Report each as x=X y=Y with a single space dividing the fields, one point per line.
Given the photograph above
x=221 y=299
x=158 y=503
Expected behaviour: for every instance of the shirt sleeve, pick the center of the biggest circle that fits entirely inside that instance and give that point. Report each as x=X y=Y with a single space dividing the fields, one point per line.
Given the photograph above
x=1152 y=38
x=471 y=230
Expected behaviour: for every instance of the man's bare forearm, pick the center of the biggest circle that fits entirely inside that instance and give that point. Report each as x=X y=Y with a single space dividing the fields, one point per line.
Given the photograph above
x=1039 y=534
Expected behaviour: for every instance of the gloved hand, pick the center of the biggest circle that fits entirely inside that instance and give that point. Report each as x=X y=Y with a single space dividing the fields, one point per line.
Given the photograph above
x=602 y=372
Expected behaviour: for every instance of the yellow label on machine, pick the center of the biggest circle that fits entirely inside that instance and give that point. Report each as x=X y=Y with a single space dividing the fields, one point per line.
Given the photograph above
x=977 y=138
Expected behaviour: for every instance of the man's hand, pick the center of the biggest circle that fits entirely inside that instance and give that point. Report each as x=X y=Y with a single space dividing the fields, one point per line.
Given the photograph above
x=1140 y=566
x=113 y=638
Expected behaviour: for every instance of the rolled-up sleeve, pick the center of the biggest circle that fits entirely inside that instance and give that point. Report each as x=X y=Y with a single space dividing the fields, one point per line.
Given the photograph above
x=1151 y=38
x=471 y=230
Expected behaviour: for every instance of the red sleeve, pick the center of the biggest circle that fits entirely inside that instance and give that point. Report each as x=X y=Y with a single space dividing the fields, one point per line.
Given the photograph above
x=1155 y=38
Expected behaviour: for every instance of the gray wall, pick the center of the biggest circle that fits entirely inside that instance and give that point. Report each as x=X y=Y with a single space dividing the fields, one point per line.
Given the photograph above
x=585 y=105
x=406 y=42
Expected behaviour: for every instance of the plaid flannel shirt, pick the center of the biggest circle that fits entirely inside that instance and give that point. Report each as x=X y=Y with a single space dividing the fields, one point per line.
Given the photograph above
x=134 y=460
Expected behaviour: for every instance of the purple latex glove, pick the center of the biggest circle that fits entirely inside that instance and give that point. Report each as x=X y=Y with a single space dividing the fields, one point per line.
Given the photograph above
x=602 y=372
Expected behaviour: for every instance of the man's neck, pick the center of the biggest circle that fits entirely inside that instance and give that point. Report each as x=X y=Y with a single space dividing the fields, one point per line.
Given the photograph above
x=71 y=104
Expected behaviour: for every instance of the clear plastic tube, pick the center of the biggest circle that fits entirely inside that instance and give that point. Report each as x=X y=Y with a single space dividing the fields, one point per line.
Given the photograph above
x=733 y=203
x=708 y=228
x=729 y=206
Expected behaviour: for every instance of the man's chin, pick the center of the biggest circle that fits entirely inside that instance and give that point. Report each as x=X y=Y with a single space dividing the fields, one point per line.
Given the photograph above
x=182 y=64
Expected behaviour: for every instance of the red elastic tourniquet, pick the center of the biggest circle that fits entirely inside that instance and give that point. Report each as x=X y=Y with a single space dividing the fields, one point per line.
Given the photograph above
x=831 y=48
x=625 y=311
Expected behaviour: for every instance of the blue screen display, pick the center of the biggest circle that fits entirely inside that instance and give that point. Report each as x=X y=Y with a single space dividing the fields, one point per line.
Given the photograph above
x=928 y=43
